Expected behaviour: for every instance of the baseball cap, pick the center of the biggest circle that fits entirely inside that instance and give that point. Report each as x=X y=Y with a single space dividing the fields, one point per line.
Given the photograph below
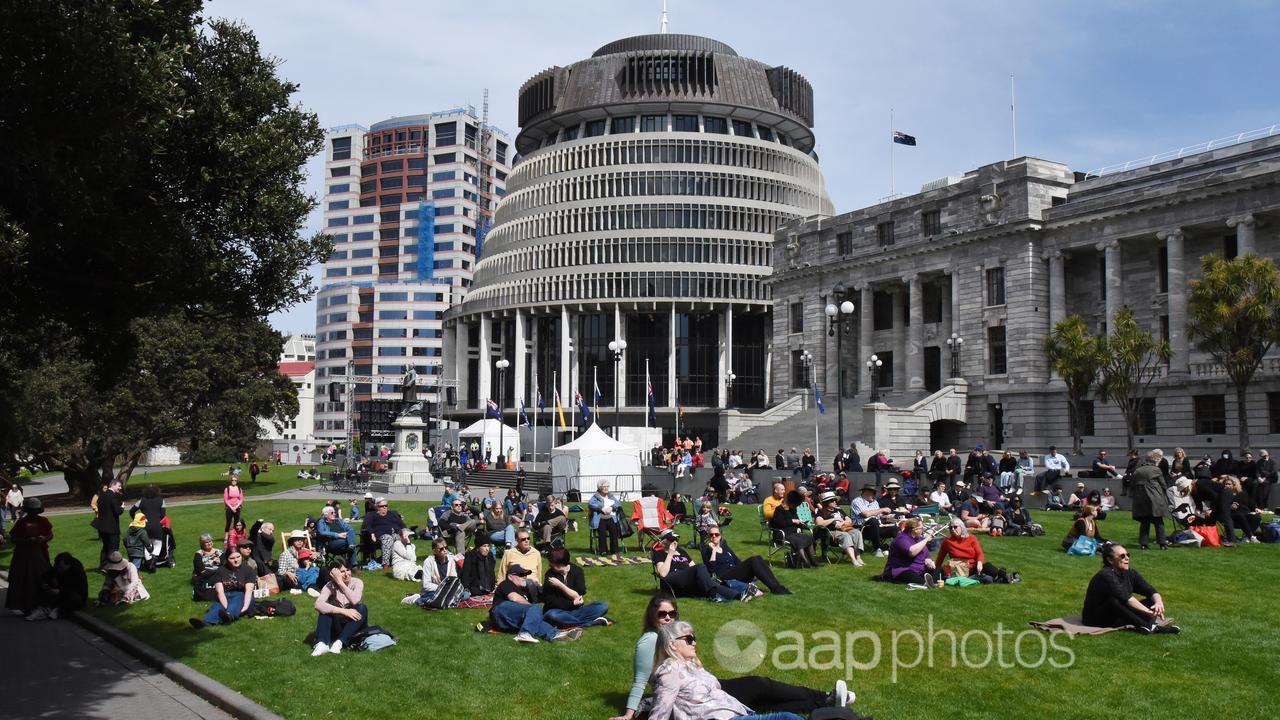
x=520 y=570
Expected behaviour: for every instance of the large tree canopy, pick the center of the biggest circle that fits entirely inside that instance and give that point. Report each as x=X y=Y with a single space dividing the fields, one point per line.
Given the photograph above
x=150 y=208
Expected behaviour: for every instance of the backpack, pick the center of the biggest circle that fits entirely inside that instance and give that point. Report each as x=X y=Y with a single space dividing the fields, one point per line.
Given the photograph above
x=372 y=639
x=1271 y=532
x=283 y=607
x=448 y=596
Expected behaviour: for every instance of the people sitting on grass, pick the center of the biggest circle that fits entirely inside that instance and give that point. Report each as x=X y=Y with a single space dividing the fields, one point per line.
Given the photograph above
x=1054 y=501
x=379 y=531
x=677 y=571
x=263 y=535
x=893 y=499
x=287 y=564
x=342 y=612
x=335 y=535
x=564 y=591
x=604 y=509
x=404 y=557
x=64 y=589
x=940 y=498
x=964 y=548
x=988 y=495
x=839 y=527
x=551 y=522
x=970 y=513
x=1150 y=500
x=1244 y=513
x=1077 y=499
x=909 y=562
x=239 y=531
x=516 y=609
x=244 y=549
x=308 y=573
x=122 y=584
x=456 y=524
x=437 y=568
x=1085 y=524
x=1106 y=502
x=478 y=568
x=875 y=522
x=1018 y=520
x=233 y=591
x=762 y=693
x=1112 y=597
x=706 y=518
x=205 y=566
x=497 y=525
x=787 y=521
x=724 y=563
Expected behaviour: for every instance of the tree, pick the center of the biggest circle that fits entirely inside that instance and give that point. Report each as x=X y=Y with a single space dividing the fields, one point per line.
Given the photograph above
x=1073 y=353
x=1234 y=314
x=152 y=184
x=1131 y=358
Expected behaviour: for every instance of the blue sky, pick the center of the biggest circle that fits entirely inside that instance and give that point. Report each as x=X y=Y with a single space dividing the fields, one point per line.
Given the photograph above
x=1098 y=82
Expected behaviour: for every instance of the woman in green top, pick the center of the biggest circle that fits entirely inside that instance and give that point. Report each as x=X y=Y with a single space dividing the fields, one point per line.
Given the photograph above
x=759 y=693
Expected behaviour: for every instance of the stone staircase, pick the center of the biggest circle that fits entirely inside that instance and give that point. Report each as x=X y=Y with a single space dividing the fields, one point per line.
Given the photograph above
x=903 y=430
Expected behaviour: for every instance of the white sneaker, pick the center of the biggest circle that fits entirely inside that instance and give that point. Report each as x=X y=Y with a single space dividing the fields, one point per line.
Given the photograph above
x=336 y=647
x=917 y=586
x=843 y=694
x=39 y=613
x=295 y=591
x=525 y=637
x=313 y=592
x=410 y=599
x=319 y=649
x=879 y=553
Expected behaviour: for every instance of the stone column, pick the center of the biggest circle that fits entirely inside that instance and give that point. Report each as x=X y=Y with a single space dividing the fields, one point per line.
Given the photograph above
x=460 y=362
x=915 y=333
x=1245 y=226
x=726 y=355
x=519 y=360
x=948 y=321
x=620 y=379
x=1057 y=289
x=1179 y=364
x=899 y=339
x=1115 y=299
x=486 y=362
x=566 y=362
x=866 y=322
x=671 y=360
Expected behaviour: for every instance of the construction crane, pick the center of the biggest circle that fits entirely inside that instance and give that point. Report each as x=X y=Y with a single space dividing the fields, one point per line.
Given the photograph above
x=484 y=178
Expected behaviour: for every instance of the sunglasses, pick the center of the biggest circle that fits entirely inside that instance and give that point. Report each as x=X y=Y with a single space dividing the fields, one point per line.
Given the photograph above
x=688 y=639
x=1122 y=556
x=673 y=614
x=713 y=534
x=522 y=539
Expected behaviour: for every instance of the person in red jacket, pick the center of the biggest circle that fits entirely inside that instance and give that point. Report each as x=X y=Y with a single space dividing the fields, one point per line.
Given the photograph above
x=961 y=545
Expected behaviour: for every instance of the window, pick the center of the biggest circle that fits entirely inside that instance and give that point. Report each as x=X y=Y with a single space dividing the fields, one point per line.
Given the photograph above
x=418 y=163
x=392 y=332
x=742 y=129
x=393 y=297
x=500 y=152
x=392 y=166
x=335 y=272
x=885 y=377
x=417 y=181
x=339 y=204
x=426 y=314
x=368 y=170
x=717 y=125
x=341 y=148
x=1162 y=269
x=1145 y=421
x=799 y=372
x=623 y=125
x=996 y=350
x=653 y=123
x=362 y=219
x=1086 y=411
x=362 y=236
x=338 y=237
x=443 y=176
x=338 y=221
x=362 y=270
x=389 y=217
x=931 y=222
x=932 y=293
x=569 y=133
x=447 y=193
x=368 y=186
x=844 y=241
x=344 y=187
x=995 y=286
x=765 y=133
x=344 y=171
x=684 y=123
x=1209 y=414
x=392 y=183
x=393 y=314
x=446 y=134
x=445 y=158
x=1230 y=248
x=1273 y=413
x=881 y=310
x=884 y=233
x=797 y=317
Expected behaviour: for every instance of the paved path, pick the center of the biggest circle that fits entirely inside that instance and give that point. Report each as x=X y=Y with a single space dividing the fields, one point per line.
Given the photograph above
x=54 y=483
x=57 y=669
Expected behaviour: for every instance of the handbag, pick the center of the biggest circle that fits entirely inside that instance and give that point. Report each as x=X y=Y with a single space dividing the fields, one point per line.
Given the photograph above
x=958 y=568
x=1084 y=545
x=1208 y=534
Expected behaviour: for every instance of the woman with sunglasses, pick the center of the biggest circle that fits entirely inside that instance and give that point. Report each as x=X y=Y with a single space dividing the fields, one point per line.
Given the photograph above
x=751 y=690
x=1111 y=600
x=725 y=564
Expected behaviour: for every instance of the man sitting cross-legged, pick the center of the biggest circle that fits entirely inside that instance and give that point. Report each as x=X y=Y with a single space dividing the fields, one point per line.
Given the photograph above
x=726 y=565
x=563 y=593
x=516 y=609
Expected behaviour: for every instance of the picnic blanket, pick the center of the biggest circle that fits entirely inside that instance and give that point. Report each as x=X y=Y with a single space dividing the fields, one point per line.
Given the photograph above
x=607 y=561
x=1074 y=625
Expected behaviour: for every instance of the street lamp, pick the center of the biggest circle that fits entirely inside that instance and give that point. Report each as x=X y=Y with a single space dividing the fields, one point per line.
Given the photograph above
x=617 y=347
x=806 y=359
x=873 y=371
x=502 y=366
x=954 y=342
x=728 y=384
x=840 y=315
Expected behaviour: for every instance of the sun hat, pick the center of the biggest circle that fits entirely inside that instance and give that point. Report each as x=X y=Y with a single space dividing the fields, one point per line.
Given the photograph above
x=115 y=561
x=32 y=506
x=297 y=535
x=827 y=497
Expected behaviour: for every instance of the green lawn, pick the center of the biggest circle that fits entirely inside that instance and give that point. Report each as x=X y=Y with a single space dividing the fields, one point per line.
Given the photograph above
x=442 y=668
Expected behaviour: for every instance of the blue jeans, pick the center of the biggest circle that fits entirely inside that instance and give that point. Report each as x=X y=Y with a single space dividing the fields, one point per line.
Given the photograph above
x=507 y=537
x=514 y=617
x=580 y=616
x=235 y=600
x=346 y=627
x=773 y=716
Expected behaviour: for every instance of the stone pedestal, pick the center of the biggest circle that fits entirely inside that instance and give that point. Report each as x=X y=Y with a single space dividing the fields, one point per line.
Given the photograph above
x=408 y=466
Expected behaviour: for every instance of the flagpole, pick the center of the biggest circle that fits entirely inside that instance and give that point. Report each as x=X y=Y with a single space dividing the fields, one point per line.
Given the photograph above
x=646 y=395
x=556 y=412
x=595 y=396
x=813 y=380
x=1013 y=111
x=891 y=144
x=536 y=393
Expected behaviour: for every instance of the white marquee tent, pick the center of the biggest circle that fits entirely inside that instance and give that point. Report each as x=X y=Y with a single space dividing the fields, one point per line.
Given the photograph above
x=488 y=430
x=591 y=459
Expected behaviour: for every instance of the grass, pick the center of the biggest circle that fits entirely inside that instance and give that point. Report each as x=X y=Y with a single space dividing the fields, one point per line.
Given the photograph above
x=442 y=668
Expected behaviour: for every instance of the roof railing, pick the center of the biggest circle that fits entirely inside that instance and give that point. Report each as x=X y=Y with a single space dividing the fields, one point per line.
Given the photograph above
x=1236 y=139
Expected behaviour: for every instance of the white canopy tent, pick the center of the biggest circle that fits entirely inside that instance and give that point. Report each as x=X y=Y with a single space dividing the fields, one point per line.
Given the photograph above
x=594 y=458
x=488 y=430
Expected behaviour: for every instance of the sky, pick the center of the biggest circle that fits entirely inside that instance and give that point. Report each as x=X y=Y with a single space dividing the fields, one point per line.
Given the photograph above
x=1098 y=82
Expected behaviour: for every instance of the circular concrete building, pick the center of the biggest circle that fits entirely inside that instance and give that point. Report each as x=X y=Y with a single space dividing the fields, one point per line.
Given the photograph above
x=650 y=181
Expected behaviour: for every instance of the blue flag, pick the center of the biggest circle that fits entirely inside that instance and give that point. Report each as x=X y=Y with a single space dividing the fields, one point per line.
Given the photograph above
x=541 y=405
x=817 y=398
x=904 y=139
x=583 y=408
x=597 y=388
x=524 y=419
x=492 y=409
x=653 y=401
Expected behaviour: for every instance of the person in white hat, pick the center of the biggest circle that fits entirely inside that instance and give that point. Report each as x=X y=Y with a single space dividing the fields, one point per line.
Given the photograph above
x=287 y=565
x=839 y=527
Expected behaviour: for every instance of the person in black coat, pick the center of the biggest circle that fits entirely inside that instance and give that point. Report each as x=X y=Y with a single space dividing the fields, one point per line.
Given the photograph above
x=1111 y=598
x=1224 y=465
x=793 y=529
x=477 y=574
x=152 y=505
x=107 y=521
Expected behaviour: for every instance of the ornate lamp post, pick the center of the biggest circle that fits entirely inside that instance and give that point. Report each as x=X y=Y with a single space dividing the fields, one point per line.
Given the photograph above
x=728 y=384
x=617 y=347
x=954 y=342
x=873 y=374
x=502 y=366
x=839 y=316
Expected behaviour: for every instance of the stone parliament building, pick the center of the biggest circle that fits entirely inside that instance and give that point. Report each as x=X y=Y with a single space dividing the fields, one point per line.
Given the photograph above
x=995 y=258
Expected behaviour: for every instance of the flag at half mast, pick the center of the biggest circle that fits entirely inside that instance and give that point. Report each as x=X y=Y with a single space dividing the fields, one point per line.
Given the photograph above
x=904 y=139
